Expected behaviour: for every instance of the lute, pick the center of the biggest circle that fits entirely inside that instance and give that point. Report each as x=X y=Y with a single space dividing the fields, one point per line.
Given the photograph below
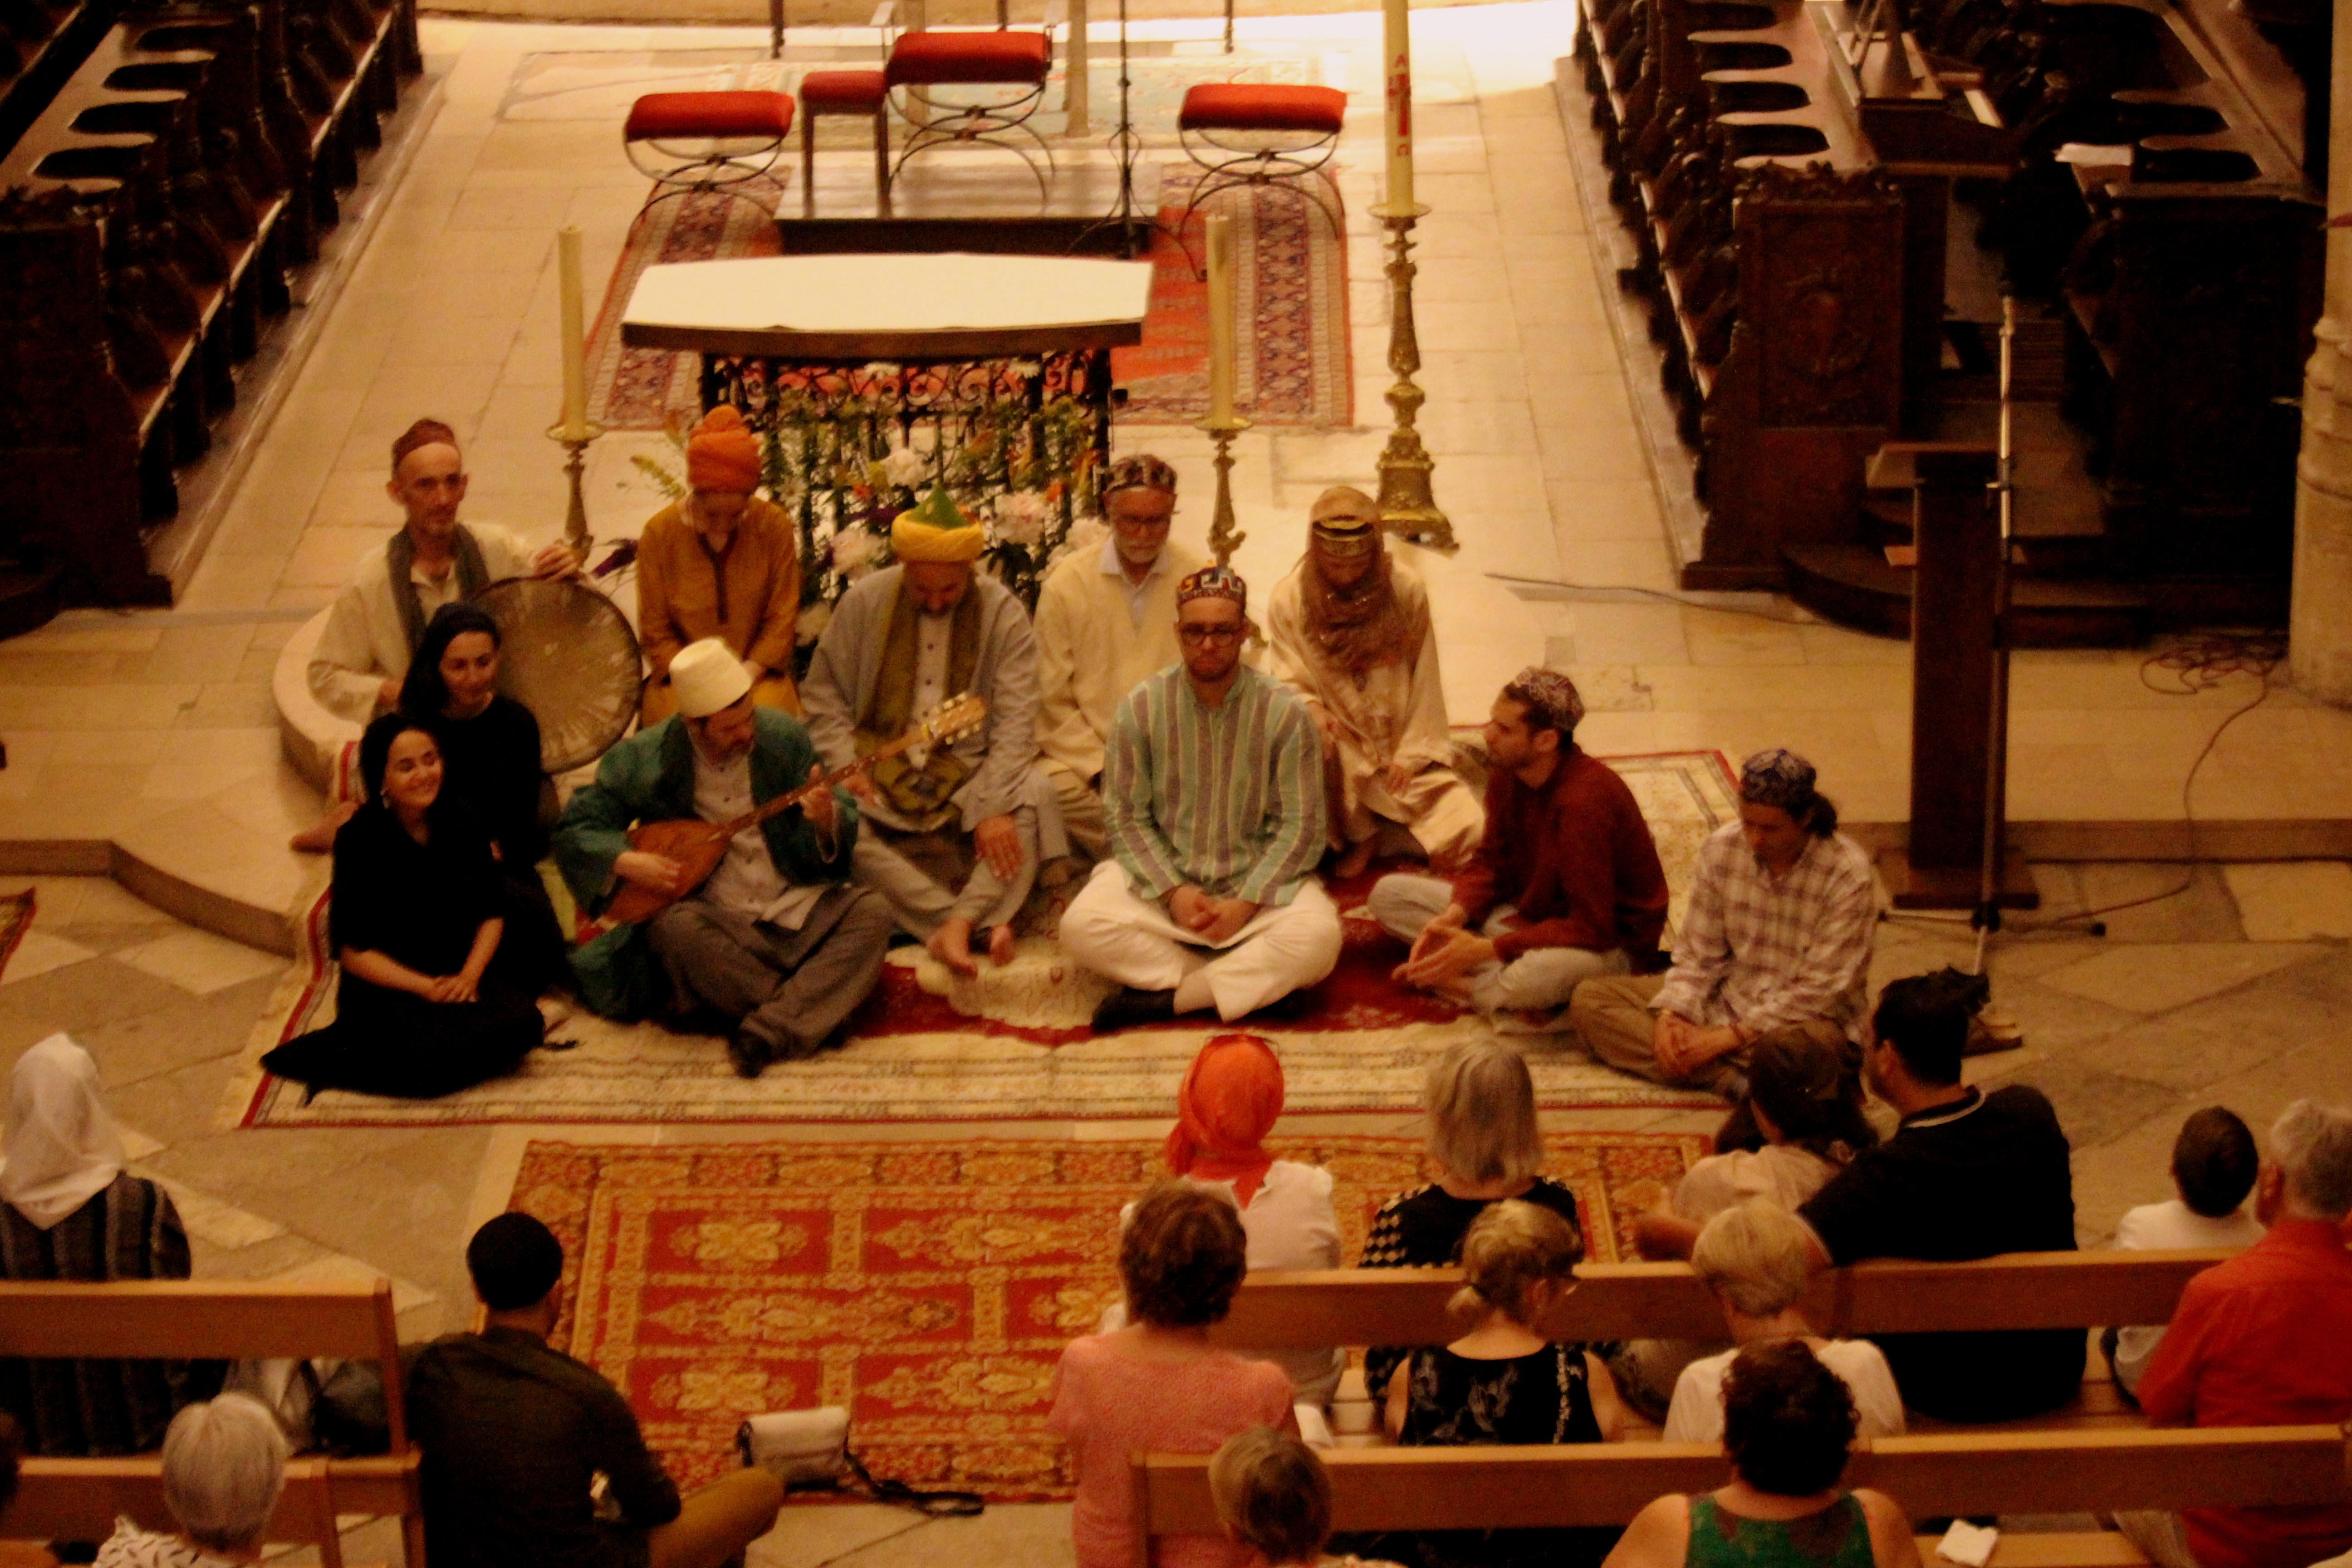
x=698 y=847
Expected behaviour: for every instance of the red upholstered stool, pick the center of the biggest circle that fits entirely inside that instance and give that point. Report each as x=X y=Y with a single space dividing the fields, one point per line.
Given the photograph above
x=689 y=141
x=862 y=93
x=930 y=58
x=1261 y=133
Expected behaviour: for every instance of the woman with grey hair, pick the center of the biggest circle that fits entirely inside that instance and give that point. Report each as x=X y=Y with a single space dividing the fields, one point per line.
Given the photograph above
x=1479 y=1105
x=224 y=1466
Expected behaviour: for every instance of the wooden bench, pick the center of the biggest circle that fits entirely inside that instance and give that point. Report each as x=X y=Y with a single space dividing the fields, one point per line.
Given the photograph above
x=80 y=1499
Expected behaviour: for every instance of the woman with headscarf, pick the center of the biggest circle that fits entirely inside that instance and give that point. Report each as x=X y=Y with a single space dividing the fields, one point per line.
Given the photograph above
x=720 y=562
x=1230 y=1100
x=68 y=1211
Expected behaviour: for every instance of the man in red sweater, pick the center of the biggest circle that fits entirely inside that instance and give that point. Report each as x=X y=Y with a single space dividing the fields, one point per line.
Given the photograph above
x=1565 y=885
x=2264 y=1339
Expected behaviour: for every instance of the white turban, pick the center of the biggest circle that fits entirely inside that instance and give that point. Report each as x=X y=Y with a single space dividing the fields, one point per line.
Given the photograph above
x=705 y=676
x=61 y=1147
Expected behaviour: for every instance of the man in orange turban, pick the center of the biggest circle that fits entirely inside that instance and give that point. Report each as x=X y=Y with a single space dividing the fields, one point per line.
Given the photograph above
x=722 y=562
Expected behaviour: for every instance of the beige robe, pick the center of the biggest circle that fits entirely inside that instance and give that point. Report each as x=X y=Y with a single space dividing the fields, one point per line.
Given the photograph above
x=1398 y=714
x=364 y=642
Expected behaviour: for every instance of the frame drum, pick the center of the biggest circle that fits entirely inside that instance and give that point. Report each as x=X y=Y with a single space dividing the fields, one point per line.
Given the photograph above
x=566 y=652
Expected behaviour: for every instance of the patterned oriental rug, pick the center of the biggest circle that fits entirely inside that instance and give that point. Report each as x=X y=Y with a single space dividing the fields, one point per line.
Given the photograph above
x=1015 y=1045
x=928 y=1287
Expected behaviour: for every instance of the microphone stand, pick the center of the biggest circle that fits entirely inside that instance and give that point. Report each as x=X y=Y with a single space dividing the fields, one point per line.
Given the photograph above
x=1134 y=227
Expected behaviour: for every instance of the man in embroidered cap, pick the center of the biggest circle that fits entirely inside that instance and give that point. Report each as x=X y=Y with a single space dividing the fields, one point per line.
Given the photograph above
x=1349 y=630
x=1777 y=937
x=1213 y=794
x=1565 y=884
x=722 y=562
x=953 y=832
x=1105 y=619
x=776 y=943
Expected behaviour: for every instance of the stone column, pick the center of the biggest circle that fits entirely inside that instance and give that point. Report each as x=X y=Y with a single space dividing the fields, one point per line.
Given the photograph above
x=2321 y=621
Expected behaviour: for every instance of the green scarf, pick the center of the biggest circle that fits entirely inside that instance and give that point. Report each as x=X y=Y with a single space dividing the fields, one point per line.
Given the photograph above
x=919 y=795
x=400 y=560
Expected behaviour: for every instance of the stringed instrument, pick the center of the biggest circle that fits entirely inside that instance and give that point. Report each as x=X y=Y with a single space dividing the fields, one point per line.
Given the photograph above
x=698 y=847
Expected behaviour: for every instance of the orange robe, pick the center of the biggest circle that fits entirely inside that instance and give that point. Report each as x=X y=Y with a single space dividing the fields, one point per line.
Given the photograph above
x=749 y=598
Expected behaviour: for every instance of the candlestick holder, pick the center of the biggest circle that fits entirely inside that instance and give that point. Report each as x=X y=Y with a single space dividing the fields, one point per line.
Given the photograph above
x=575 y=441
x=1407 y=507
x=1223 y=537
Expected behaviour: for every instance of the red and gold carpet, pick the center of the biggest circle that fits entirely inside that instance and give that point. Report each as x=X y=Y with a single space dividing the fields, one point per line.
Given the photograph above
x=928 y=1286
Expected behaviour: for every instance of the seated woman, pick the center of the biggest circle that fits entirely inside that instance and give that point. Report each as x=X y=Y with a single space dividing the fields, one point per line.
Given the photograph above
x=1228 y=1102
x=68 y=1211
x=224 y=1466
x=1273 y=1497
x=1158 y=1385
x=425 y=1007
x=1503 y=1381
x=490 y=762
x=1757 y=1259
x=1787 y=1423
x=720 y=563
x=1480 y=1105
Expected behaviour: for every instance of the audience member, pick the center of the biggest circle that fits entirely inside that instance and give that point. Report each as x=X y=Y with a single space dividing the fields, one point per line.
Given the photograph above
x=1215 y=817
x=1157 y=1385
x=1967 y=1175
x=1756 y=1257
x=514 y=1434
x=1105 y=620
x=720 y=562
x=1274 y=1496
x=775 y=942
x=2264 y=1339
x=224 y=1466
x=490 y=760
x=1565 y=884
x=1776 y=938
x=70 y=1211
x=1788 y=1421
x=429 y=1003
x=2213 y=1167
x=952 y=832
x=1505 y=1382
x=1481 y=1137
x=1349 y=630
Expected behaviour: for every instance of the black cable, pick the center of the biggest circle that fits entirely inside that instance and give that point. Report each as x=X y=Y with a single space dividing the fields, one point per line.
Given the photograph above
x=1671 y=599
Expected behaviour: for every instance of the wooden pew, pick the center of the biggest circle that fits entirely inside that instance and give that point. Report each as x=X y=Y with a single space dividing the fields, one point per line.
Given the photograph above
x=78 y=1499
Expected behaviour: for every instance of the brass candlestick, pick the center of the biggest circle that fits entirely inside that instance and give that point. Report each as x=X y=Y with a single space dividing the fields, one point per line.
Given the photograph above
x=1408 y=509
x=576 y=441
x=1223 y=537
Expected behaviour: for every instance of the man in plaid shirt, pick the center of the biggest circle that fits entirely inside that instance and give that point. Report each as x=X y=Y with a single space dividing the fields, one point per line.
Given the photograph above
x=1776 y=938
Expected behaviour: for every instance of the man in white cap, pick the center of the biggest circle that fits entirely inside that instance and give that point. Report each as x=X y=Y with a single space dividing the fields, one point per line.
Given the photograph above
x=775 y=942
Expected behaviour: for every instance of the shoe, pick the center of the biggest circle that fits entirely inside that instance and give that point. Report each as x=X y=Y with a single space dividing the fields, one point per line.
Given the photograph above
x=749 y=1052
x=1127 y=1006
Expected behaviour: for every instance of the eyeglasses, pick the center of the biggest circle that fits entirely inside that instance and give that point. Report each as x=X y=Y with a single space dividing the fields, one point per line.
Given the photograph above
x=1221 y=635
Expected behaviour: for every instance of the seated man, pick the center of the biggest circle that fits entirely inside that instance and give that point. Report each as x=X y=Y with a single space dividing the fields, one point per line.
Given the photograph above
x=1967 y=1175
x=775 y=941
x=1565 y=885
x=952 y=832
x=1105 y=620
x=1216 y=813
x=514 y=1434
x=2264 y=1339
x=1349 y=630
x=1778 y=937
x=2214 y=1165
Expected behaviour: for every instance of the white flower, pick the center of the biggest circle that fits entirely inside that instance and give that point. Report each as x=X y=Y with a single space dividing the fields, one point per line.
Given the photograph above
x=813 y=622
x=854 y=548
x=903 y=467
x=1021 y=517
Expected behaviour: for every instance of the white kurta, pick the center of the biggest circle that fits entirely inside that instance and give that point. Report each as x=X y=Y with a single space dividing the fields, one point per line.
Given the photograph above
x=364 y=644
x=1097 y=636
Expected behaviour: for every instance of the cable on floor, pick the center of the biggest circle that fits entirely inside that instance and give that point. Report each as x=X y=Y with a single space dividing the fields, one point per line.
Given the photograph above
x=1686 y=601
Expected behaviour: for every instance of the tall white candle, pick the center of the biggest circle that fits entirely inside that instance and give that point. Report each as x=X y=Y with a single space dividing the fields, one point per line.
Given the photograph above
x=1221 y=317
x=575 y=354
x=1396 y=72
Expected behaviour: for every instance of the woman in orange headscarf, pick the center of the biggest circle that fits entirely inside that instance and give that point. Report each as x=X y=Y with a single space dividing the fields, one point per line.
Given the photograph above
x=720 y=563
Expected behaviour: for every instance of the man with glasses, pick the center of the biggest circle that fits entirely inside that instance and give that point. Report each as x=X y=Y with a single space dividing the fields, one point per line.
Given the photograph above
x=1105 y=620
x=1212 y=797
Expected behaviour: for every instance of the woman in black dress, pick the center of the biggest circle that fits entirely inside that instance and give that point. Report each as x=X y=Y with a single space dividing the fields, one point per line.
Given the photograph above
x=426 y=1006
x=491 y=761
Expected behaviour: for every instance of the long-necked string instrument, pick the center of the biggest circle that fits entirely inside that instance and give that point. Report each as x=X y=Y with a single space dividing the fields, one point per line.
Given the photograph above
x=698 y=847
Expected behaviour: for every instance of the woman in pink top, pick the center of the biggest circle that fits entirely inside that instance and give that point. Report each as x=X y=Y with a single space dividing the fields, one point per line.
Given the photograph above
x=1157 y=1385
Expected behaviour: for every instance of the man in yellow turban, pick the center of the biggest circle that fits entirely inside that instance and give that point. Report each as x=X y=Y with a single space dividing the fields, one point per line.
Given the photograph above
x=952 y=832
x=720 y=563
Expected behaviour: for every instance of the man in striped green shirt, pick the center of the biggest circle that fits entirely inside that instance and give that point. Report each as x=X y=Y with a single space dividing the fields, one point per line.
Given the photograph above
x=1212 y=797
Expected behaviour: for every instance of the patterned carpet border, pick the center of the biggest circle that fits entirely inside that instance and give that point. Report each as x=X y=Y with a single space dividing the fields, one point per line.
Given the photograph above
x=928 y=1286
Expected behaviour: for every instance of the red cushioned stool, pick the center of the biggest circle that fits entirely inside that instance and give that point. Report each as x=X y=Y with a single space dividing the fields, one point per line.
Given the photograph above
x=930 y=58
x=1261 y=133
x=706 y=141
x=865 y=94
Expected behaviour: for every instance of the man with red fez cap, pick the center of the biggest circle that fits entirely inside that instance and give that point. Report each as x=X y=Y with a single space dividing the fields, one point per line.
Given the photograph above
x=1213 y=795
x=722 y=562
x=952 y=832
